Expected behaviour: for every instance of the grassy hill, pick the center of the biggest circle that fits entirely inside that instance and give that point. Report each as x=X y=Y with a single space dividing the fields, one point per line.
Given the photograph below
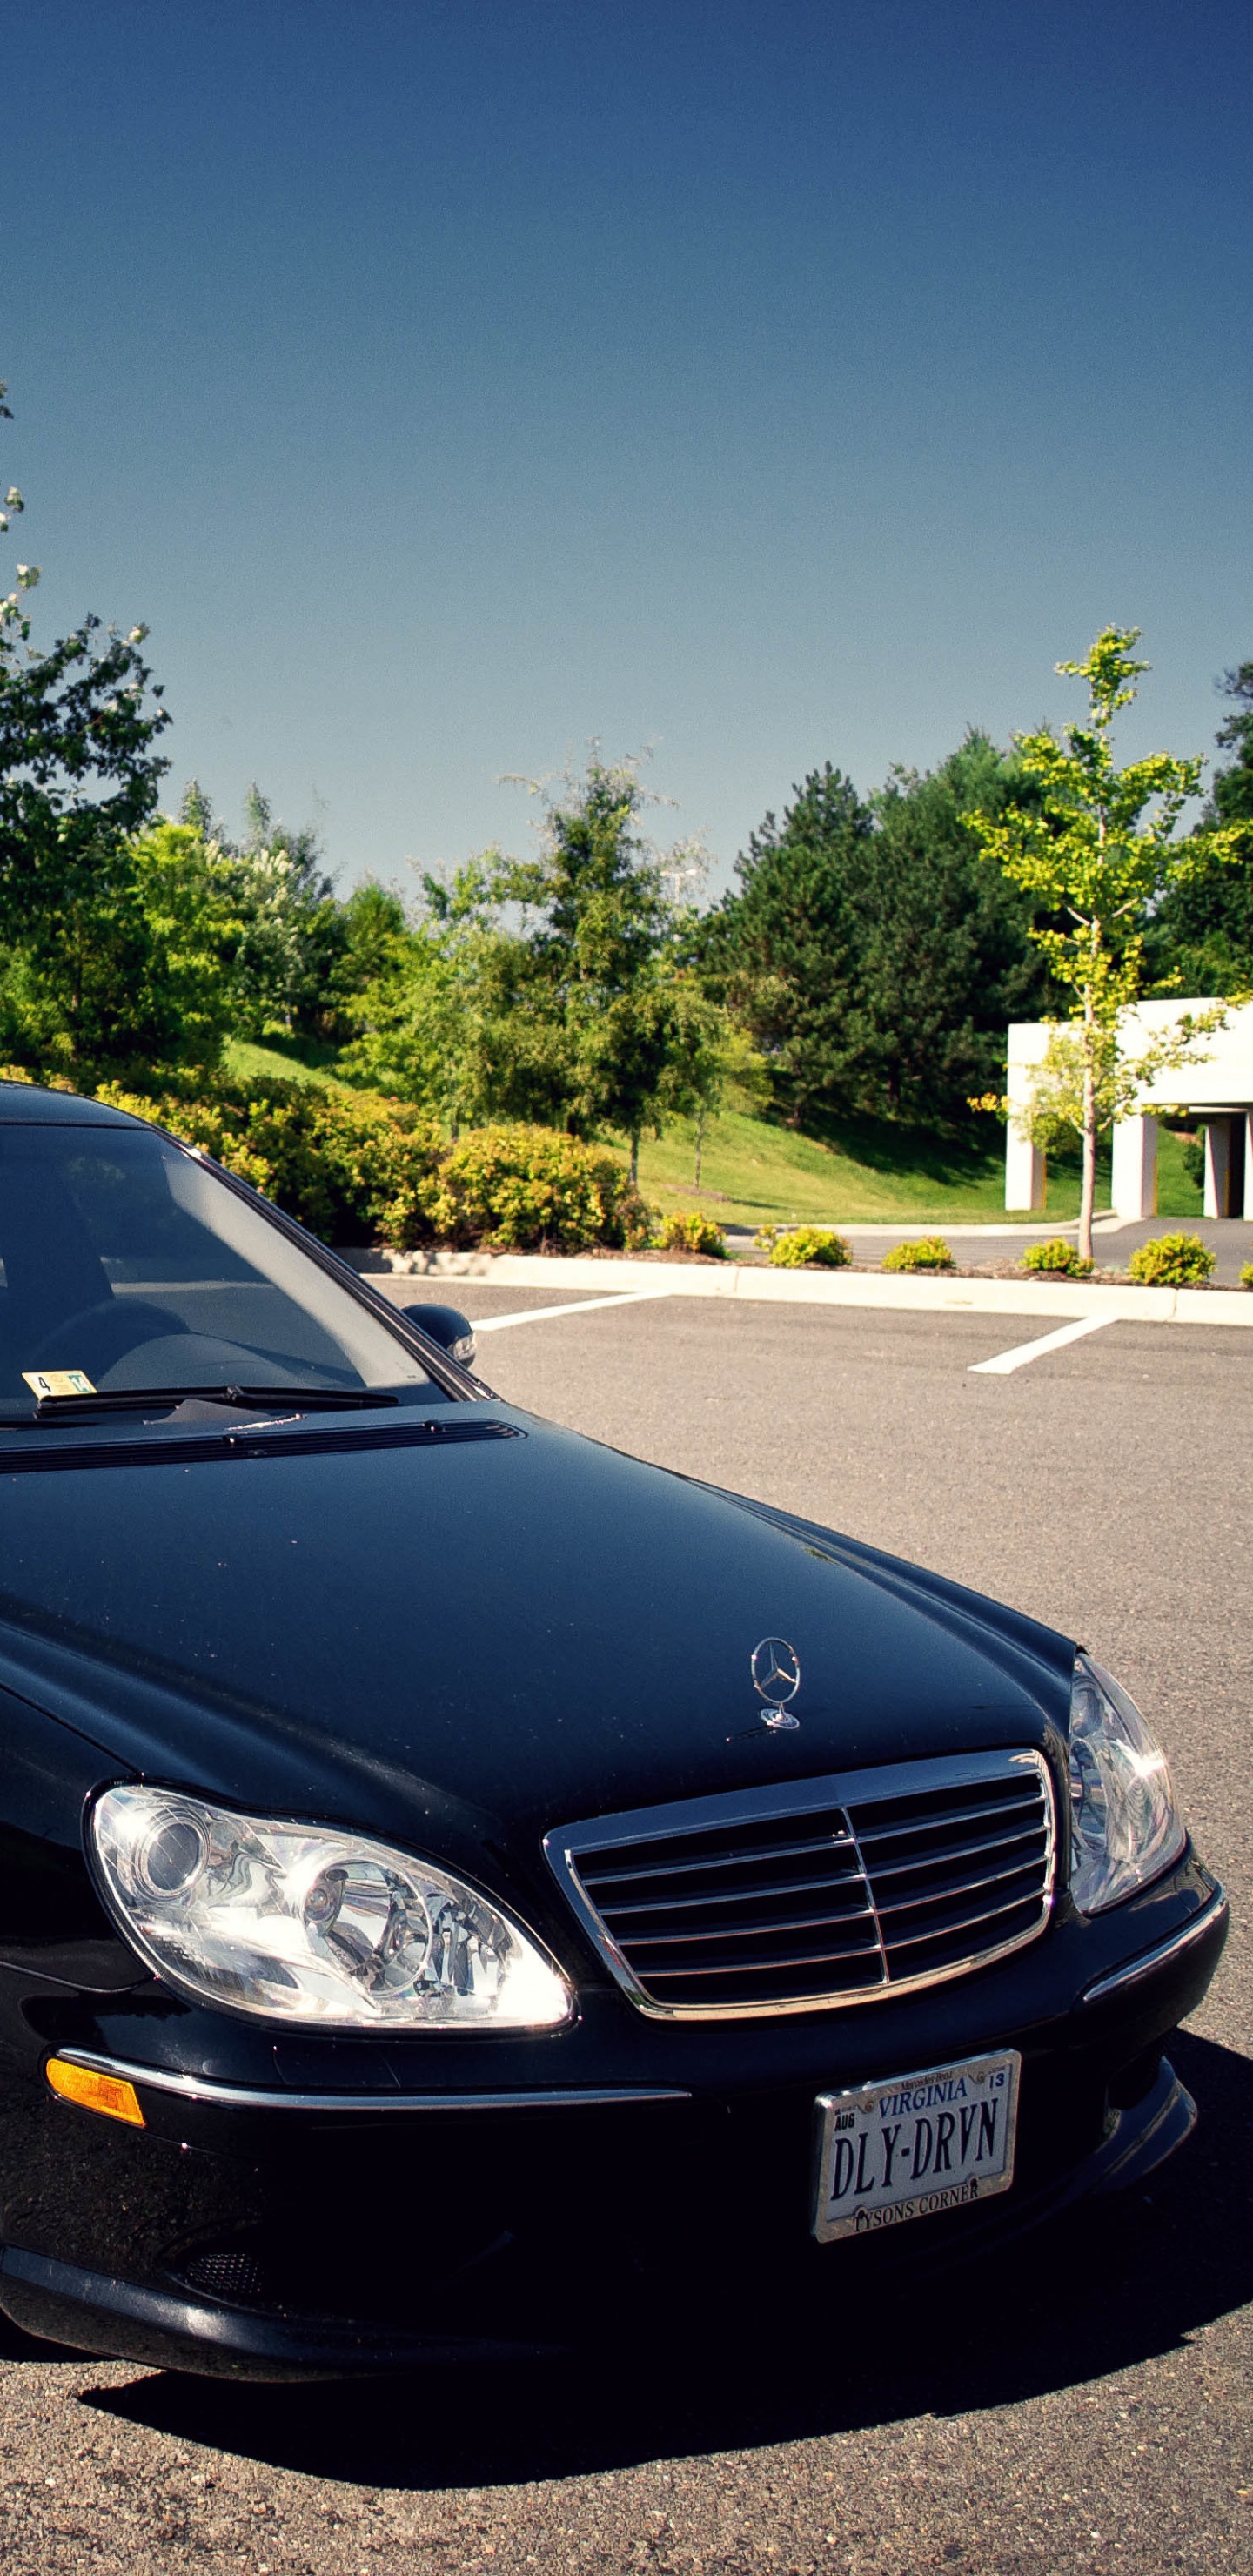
x=754 y=1172
x=867 y=1172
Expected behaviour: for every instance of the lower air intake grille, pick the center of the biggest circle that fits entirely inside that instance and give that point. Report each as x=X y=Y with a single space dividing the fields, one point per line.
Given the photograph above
x=825 y=1892
x=225 y=2272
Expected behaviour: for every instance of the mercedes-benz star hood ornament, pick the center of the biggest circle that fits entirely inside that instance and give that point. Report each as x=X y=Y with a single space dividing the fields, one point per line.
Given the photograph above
x=776 y=1679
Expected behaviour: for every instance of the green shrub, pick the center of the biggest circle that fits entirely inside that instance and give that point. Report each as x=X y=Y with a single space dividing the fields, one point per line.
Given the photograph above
x=1171 y=1261
x=1246 y=1275
x=689 y=1230
x=357 y=1168
x=520 y=1187
x=926 y=1252
x=1057 y=1260
x=351 y=1166
x=807 y=1247
x=46 y=1081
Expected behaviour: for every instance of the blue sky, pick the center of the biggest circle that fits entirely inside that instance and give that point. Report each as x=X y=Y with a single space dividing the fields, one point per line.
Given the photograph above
x=448 y=381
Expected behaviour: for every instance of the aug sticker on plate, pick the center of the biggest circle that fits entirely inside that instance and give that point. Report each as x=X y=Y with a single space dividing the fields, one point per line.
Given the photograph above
x=916 y=2144
x=58 y=1382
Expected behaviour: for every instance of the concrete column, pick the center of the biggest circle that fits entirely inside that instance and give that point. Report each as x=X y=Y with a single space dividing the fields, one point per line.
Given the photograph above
x=1218 y=1165
x=1024 y=1163
x=1134 y=1189
x=1024 y=1171
x=1245 y=1126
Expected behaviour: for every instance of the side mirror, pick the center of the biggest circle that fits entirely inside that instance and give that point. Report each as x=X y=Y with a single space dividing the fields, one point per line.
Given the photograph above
x=444 y=1325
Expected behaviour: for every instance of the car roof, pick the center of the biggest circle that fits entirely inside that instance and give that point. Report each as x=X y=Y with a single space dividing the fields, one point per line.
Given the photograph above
x=24 y=1104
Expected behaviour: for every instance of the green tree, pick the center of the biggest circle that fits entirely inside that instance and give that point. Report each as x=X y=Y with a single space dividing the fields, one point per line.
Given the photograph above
x=1232 y=792
x=374 y=927
x=288 y=967
x=1200 y=938
x=79 y=776
x=714 y=1065
x=412 y=1036
x=945 y=959
x=480 y=1002
x=186 y=900
x=83 y=973
x=548 y=989
x=782 y=947
x=872 y=958
x=136 y=979
x=456 y=1015
x=1099 y=852
x=598 y=924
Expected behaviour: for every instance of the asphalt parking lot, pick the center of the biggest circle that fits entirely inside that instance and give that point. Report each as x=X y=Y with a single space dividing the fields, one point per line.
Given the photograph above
x=1082 y=2403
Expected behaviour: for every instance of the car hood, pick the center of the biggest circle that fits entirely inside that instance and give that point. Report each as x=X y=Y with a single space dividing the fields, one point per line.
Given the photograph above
x=474 y=1640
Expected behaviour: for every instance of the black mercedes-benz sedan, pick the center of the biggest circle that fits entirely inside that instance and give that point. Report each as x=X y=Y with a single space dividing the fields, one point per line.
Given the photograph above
x=454 y=1874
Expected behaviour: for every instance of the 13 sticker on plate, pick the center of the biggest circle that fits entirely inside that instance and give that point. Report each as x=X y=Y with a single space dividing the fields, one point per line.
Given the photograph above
x=910 y=2146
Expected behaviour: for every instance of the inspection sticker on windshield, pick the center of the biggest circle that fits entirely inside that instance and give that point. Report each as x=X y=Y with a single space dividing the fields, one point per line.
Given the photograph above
x=916 y=2144
x=58 y=1382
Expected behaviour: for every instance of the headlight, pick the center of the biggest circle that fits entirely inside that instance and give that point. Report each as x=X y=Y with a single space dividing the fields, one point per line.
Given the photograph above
x=1125 y=1826
x=303 y=1924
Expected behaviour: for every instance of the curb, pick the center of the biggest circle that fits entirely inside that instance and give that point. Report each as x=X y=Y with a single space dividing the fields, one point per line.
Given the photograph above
x=1051 y=1301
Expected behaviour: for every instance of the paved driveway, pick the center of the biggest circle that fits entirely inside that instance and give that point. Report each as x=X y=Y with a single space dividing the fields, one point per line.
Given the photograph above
x=1082 y=2404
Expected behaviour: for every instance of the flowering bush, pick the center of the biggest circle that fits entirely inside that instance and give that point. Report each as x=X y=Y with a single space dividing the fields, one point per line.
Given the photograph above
x=926 y=1252
x=350 y=1165
x=1056 y=1259
x=521 y=1188
x=46 y=1081
x=1172 y=1261
x=806 y=1247
x=357 y=1168
x=689 y=1230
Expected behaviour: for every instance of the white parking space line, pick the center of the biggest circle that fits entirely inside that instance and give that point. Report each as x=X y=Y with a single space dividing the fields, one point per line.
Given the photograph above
x=579 y=1306
x=1007 y=1361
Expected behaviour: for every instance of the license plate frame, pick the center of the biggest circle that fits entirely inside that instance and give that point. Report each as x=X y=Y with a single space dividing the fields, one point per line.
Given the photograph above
x=865 y=2179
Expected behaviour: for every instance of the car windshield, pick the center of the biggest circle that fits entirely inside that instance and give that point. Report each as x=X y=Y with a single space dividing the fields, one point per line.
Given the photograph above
x=127 y=1263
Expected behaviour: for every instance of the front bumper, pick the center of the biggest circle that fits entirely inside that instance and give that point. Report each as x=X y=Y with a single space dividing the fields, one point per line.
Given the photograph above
x=284 y=2230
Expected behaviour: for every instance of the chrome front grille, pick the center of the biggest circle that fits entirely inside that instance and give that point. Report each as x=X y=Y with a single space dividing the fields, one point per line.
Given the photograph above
x=825 y=1892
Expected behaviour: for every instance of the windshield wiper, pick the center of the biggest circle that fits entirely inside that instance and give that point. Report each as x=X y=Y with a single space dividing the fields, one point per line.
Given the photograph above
x=283 y=1399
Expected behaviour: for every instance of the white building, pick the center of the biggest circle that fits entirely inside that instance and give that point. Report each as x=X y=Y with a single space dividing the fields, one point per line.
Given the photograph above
x=1215 y=1091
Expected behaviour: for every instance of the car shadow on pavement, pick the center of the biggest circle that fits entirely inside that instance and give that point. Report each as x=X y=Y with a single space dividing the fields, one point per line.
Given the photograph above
x=1111 y=2285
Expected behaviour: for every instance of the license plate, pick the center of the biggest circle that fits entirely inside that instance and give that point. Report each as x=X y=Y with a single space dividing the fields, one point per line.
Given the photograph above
x=913 y=2145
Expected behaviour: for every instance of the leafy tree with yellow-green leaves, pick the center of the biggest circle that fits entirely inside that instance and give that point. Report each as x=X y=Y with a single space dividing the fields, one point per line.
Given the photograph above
x=1097 y=853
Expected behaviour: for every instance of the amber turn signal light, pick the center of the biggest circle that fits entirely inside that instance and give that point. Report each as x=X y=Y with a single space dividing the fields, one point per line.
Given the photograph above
x=95 y=2092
